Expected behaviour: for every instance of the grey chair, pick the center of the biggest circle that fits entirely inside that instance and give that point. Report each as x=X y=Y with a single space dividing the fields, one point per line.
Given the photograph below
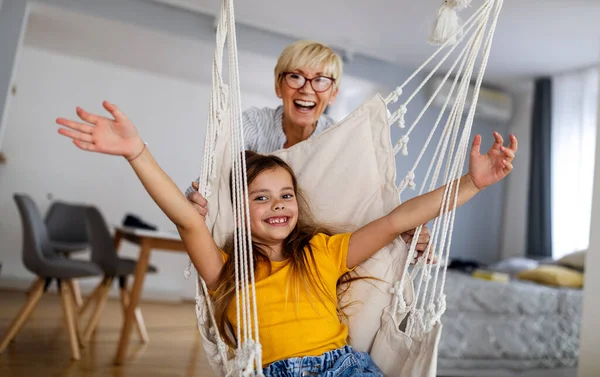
x=40 y=258
x=65 y=223
x=104 y=254
x=66 y=227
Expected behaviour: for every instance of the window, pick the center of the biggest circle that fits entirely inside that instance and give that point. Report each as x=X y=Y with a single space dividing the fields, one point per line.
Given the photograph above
x=574 y=123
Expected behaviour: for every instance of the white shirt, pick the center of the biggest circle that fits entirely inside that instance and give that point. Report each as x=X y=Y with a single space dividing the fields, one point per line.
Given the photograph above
x=263 y=130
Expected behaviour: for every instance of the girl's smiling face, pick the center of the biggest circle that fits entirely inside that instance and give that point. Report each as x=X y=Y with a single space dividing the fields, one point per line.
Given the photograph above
x=273 y=206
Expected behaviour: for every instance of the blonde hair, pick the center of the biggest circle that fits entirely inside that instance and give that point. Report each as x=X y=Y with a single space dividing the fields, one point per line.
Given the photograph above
x=306 y=53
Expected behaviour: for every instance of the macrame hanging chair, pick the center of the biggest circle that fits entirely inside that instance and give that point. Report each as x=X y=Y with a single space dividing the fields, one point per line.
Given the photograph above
x=398 y=315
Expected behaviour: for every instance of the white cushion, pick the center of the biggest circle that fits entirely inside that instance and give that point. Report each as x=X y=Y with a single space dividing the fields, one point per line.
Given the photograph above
x=574 y=260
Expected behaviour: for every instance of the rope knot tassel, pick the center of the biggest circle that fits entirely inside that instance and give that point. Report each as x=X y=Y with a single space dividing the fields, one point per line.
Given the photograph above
x=399 y=303
x=441 y=304
x=402 y=145
x=447 y=23
x=201 y=310
x=401 y=112
x=393 y=96
x=408 y=181
x=188 y=270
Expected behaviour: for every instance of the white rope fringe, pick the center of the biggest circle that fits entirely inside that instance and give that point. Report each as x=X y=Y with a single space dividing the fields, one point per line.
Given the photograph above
x=447 y=24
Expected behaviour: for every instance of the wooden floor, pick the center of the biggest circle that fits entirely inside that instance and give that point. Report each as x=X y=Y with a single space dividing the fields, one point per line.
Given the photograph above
x=42 y=346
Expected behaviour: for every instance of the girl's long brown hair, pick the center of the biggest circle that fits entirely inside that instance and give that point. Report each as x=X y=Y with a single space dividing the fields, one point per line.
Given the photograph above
x=296 y=248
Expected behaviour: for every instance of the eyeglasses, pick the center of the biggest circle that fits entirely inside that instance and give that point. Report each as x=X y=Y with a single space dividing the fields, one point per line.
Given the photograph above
x=296 y=81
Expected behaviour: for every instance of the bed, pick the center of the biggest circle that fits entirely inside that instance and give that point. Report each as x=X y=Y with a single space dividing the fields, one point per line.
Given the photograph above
x=494 y=329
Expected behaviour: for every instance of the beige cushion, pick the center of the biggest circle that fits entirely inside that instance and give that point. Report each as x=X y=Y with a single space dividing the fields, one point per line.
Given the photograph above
x=348 y=173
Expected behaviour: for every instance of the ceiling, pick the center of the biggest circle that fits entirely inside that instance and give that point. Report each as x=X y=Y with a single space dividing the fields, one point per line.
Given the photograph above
x=531 y=40
x=533 y=37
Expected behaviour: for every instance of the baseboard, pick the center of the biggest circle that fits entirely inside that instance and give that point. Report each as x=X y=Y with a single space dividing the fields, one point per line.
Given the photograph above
x=86 y=287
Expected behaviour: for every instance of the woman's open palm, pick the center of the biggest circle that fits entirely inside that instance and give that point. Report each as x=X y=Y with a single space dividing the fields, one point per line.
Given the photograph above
x=487 y=169
x=116 y=136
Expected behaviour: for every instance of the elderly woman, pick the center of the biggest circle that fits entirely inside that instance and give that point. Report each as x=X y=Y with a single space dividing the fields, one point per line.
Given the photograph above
x=307 y=78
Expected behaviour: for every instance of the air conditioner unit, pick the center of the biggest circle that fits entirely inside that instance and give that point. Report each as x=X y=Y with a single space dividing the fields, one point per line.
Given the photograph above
x=493 y=104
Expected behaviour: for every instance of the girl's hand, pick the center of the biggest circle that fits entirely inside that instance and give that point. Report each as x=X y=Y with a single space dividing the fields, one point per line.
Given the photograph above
x=116 y=136
x=487 y=169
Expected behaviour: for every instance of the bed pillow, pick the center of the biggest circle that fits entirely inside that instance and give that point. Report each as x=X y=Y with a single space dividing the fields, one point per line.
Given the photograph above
x=557 y=276
x=513 y=266
x=574 y=260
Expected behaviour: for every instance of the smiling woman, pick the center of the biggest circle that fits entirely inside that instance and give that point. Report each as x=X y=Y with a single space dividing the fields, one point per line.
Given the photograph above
x=307 y=77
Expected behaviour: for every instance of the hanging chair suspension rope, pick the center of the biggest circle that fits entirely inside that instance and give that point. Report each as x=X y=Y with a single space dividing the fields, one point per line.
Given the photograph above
x=447 y=215
x=486 y=55
x=449 y=124
x=252 y=353
x=460 y=59
x=451 y=166
x=392 y=97
x=479 y=15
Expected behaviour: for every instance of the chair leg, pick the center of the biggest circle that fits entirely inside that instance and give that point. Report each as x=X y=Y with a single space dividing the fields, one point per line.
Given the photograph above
x=102 y=297
x=35 y=293
x=69 y=310
x=71 y=283
x=32 y=287
x=139 y=319
x=74 y=287
x=92 y=297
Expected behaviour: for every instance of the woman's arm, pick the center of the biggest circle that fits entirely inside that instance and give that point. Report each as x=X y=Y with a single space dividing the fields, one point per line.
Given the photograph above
x=484 y=170
x=120 y=137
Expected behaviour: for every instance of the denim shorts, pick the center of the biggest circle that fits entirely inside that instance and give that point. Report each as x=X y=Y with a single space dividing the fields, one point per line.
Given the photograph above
x=342 y=362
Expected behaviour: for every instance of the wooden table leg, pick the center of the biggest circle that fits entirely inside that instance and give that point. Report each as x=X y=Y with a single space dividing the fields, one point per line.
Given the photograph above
x=139 y=319
x=134 y=300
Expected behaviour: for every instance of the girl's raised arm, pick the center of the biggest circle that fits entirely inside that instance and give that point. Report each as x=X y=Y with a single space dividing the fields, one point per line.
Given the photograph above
x=119 y=137
x=484 y=170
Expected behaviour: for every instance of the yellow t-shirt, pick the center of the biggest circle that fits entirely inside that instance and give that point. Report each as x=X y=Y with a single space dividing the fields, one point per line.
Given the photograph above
x=300 y=325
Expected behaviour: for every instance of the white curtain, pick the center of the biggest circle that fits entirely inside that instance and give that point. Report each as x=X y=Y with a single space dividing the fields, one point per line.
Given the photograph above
x=574 y=113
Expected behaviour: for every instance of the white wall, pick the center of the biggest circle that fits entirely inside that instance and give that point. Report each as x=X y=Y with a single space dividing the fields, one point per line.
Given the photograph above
x=590 y=327
x=170 y=115
x=516 y=195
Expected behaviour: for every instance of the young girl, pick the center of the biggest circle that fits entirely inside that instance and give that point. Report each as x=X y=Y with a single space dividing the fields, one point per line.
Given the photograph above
x=298 y=262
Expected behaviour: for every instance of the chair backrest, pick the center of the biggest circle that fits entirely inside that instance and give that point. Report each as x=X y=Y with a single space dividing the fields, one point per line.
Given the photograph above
x=66 y=223
x=101 y=241
x=36 y=244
